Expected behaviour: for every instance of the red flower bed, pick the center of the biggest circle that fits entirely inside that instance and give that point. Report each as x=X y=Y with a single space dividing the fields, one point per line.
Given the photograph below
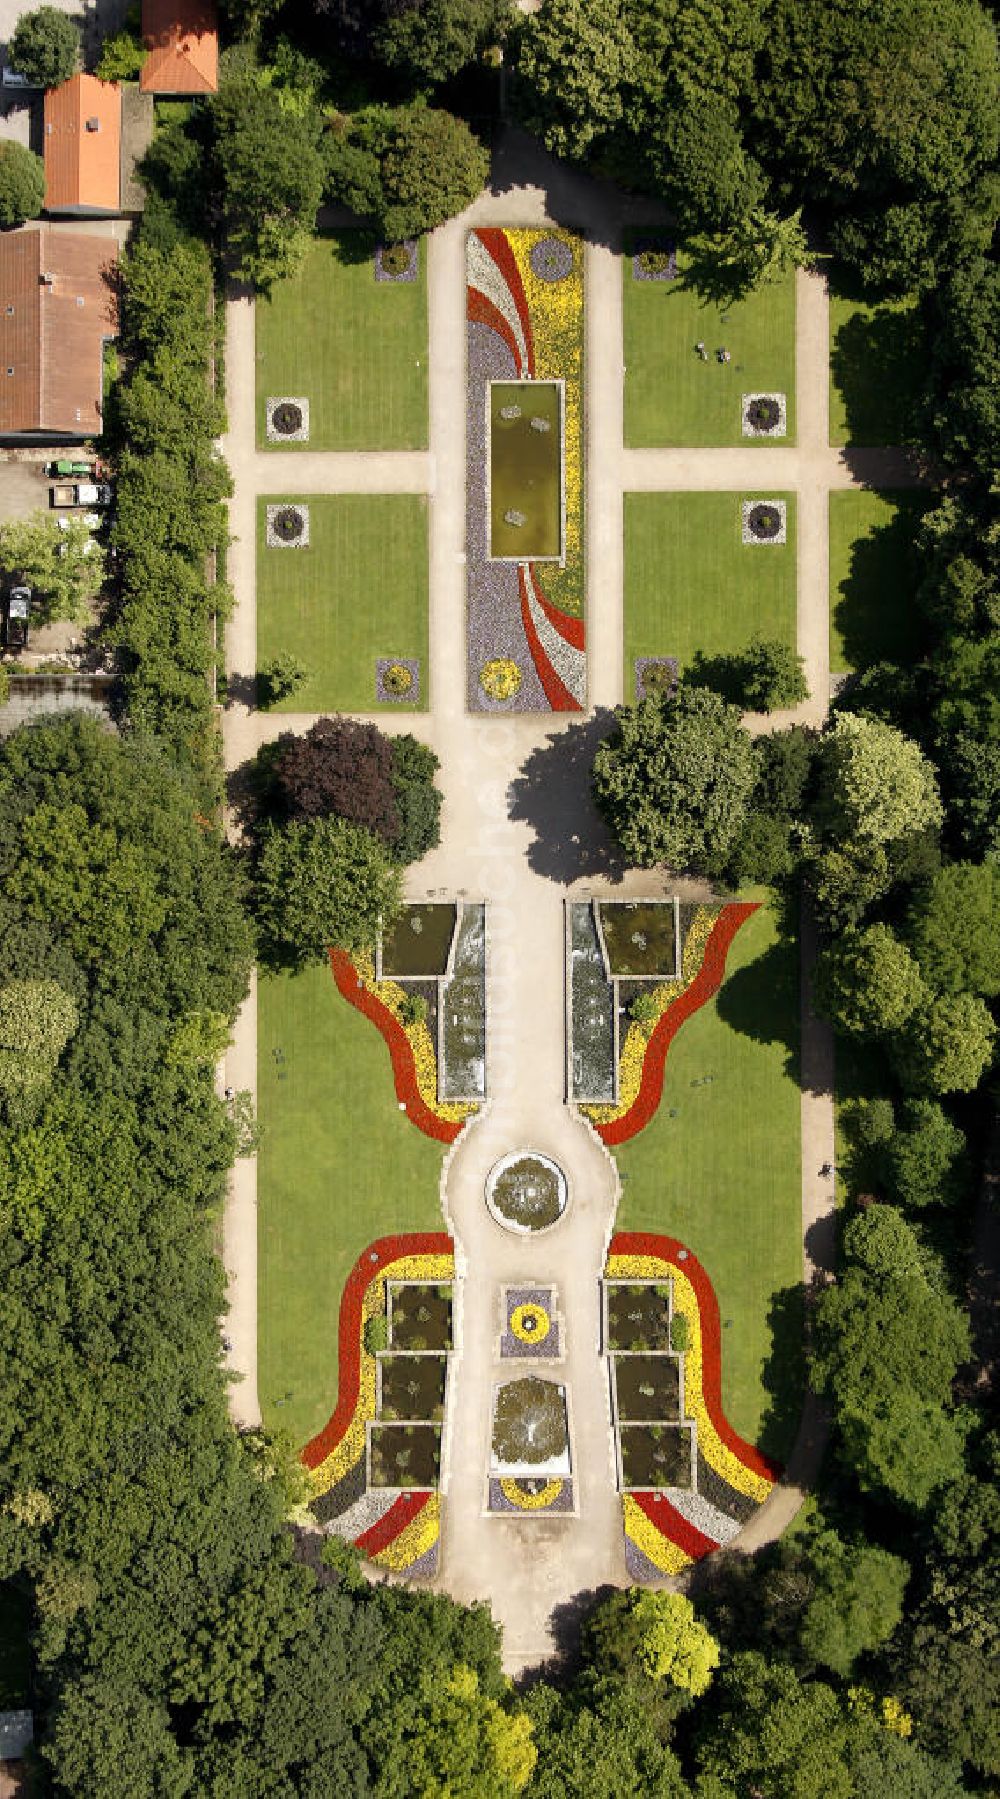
x=401 y=1513
x=368 y=1267
x=444 y=1130
x=668 y=1249
x=706 y=983
x=672 y=1523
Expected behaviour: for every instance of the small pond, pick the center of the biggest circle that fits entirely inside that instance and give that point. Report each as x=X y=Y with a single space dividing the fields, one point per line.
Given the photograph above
x=529 y=1422
x=419 y=941
x=641 y=936
x=647 y=1387
x=656 y=1455
x=638 y=1315
x=420 y=1317
x=526 y=1192
x=525 y=466
x=405 y=1455
x=412 y=1386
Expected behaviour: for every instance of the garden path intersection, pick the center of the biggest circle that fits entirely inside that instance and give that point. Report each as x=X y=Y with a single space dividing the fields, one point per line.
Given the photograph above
x=530 y=1568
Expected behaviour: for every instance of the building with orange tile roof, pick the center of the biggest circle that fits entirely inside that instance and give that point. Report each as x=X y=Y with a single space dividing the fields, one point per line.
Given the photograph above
x=83 y=146
x=57 y=310
x=182 y=38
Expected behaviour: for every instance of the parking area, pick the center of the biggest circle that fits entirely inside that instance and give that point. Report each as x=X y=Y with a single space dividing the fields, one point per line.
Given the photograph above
x=24 y=489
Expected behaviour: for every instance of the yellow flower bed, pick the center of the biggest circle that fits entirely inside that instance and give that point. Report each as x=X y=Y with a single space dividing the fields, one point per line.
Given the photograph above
x=633 y=1050
x=530 y=1323
x=530 y=1502
x=351 y=1447
x=414 y=1541
x=500 y=678
x=556 y=312
x=658 y=1549
x=419 y=1038
x=685 y=1303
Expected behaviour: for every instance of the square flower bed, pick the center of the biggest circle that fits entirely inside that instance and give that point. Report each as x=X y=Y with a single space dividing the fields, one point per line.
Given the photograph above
x=530 y=1325
x=397 y=681
x=655 y=676
x=397 y=262
x=419 y=1316
x=287 y=526
x=638 y=1315
x=764 y=415
x=656 y=1455
x=647 y=1388
x=404 y=1455
x=654 y=260
x=764 y=521
x=288 y=419
x=411 y=1388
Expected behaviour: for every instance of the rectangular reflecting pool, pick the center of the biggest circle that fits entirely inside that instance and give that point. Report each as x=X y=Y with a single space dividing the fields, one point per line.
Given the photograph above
x=526 y=470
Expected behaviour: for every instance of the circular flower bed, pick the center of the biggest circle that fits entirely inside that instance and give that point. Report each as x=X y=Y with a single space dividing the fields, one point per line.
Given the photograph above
x=286 y=418
x=764 y=522
x=530 y=1322
x=551 y=259
x=288 y=524
x=764 y=413
x=397 y=259
x=397 y=678
x=526 y=1192
x=654 y=262
x=500 y=678
x=529 y=1422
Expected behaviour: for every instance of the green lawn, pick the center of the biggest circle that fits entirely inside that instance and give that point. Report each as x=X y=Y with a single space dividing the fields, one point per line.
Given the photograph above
x=692 y=584
x=873 y=617
x=356 y=592
x=719 y=1167
x=338 y=1165
x=671 y=396
x=354 y=347
x=877 y=367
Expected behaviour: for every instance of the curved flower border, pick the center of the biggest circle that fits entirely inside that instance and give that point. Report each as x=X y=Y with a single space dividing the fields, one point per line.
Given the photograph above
x=641 y=1099
x=336 y=1449
x=513 y=1491
x=405 y=1540
x=411 y=1052
x=658 y=1530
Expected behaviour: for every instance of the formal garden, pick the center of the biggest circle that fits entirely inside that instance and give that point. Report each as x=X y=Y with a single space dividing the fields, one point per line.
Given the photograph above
x=342 y=595
x=343 y=342
x=691 y=363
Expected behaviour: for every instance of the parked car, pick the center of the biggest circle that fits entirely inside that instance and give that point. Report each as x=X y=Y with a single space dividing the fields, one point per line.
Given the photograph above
x=90 y=519
x=16 y=614
x=66 y=466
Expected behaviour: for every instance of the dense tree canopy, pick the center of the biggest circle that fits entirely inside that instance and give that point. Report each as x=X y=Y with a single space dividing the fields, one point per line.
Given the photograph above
x=22 y=184
x=407 y=168
x=45 y=46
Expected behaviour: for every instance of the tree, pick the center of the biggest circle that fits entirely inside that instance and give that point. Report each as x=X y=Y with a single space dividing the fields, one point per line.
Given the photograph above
x=674 y=780
x=123 y=55
x=37 y=1019
x=673 y=1644
x=773 y=675
x=759 y=247
x=273 y=177
x=22 y=184
x=433 y=40
x=280 y=677
x=924 y=1158
x=577 y=57
x=954 y=928
x=856 y=1602
x=319 y=883
x=946 y=1044
x=340 y=768
x=63 y=566
x=876 y=784
x=708 y=175
x=867 y=982
x=771 y=1734
x=407 y=168
x=418 y=800
x=45 y=46
x=462 y=1741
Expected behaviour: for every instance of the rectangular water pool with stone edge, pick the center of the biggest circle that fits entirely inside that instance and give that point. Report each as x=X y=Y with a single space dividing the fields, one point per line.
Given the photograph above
x=525 y=470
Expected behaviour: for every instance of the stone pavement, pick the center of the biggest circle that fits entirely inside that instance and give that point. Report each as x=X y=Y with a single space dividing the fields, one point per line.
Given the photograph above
x=518 y=830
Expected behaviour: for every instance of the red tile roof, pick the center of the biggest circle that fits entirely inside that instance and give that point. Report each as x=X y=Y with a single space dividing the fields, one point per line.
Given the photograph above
x=83 y=133
x=56 y=309
x=182 y=38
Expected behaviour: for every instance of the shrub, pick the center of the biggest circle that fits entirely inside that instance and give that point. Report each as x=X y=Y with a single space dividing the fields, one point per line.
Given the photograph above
x=376 y=1333
x=45 y=46
x=680 y=1333
x=22 y=184
x=413 y=1009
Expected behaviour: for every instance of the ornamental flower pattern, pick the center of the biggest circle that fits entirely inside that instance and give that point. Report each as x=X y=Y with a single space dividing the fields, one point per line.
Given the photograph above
x=525 y=321
x=411 y=1048
x=665 y=1532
